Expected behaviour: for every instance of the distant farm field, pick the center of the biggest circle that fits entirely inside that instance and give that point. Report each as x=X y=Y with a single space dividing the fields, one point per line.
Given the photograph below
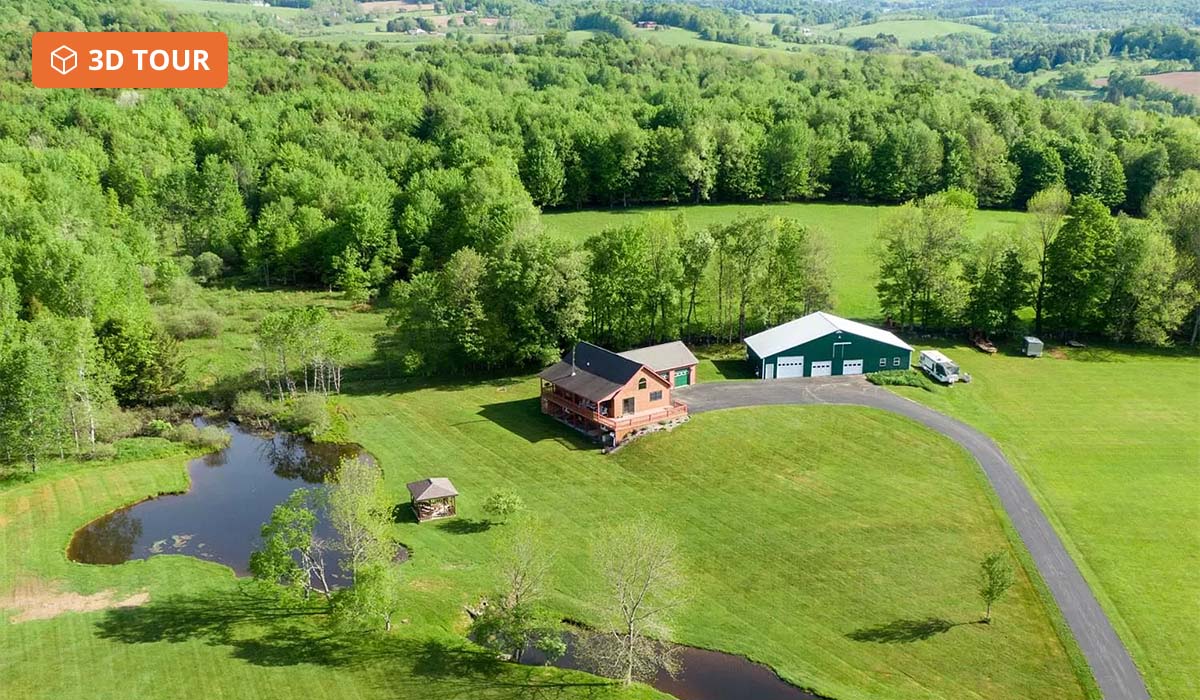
x=1185 y=81
x=910 y=30
x=1109 y=443
x=849 y=230
x=232 y=8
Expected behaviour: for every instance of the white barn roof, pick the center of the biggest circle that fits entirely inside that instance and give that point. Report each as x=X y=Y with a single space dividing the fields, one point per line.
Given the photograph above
x=813 y=326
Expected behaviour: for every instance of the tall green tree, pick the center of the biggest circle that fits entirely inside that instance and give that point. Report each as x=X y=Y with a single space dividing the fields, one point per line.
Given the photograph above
x=31 y=405
x=1079 y=264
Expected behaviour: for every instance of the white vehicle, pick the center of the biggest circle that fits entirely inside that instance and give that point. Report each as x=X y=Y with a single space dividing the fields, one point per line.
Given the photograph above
x=941 y=368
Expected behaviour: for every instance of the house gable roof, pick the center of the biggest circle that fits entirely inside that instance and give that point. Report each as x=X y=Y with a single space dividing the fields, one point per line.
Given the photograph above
x=434 y=487
x=594 y=373
x=816 y=325
x=662 y=357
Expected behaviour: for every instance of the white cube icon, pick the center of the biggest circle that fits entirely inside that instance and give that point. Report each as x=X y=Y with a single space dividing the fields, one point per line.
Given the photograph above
x=63 y=59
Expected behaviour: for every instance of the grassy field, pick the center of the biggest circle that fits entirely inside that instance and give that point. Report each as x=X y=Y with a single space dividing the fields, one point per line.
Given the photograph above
x=235 y=9
x=848 y=570
x=199 y=635
x=910 y=30
x=849 y=230
x=1109 y=443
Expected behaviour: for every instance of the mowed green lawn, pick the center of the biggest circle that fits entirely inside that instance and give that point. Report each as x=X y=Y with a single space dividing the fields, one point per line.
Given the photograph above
x=200 y=635
x=1109 y=443
x=849 y=230
x=836 y=544
x=845 y=563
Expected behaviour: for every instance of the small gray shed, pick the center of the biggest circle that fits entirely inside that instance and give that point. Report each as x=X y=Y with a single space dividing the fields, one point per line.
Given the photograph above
x=1031 y=346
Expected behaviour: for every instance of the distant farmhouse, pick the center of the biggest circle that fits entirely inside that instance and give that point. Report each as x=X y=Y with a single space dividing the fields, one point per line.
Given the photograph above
x=822 y=345
x=610 y=396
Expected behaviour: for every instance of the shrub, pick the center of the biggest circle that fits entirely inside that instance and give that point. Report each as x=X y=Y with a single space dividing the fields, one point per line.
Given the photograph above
x=193 y=324
x=160 y=428
x=901 y=377
x=251 y=406
x=502 y=504
x=186 y=433
x=212 y=438
x=306 y=415
x=101 y=452
x=209 y=266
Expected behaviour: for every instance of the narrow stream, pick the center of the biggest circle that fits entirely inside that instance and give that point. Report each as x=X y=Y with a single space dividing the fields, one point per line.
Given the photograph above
x=231 y=495
x=703 y=675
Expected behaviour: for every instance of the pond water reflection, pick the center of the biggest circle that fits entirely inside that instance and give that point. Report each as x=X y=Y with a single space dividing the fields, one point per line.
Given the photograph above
x=703 y=675
x=231 y=495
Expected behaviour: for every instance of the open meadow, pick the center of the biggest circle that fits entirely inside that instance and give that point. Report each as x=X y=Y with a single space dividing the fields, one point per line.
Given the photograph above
x=910 y=30
x=1109 y=443
x=849 y=230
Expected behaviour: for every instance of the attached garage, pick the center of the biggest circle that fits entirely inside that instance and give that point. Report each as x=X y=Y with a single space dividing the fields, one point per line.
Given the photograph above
x=823 y=345
x=671 y=361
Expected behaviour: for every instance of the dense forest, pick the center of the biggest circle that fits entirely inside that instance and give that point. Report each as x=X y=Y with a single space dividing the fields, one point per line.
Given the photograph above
x=414 y=180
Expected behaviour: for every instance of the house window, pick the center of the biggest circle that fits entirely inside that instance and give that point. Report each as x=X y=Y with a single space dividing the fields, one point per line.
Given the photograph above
x=642 y=383
x=896 y=362
x=656 y=396
x=627 y=405
x=883 y=362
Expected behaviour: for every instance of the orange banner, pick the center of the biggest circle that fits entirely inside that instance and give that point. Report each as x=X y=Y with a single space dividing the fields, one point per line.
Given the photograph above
x=130 y=59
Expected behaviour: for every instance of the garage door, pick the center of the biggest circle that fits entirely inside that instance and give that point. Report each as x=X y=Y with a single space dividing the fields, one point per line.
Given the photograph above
x=792 y=366
x=682 y=376
x=852 y=366
x=822 y=369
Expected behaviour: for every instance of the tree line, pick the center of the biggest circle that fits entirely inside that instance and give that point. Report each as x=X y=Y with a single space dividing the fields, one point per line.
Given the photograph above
x=1080 y=269
x=368 y=169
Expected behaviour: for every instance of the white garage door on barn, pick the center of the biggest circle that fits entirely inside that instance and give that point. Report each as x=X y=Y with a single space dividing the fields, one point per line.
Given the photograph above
x=852 y=367
x=792 y=366
x=822 y=369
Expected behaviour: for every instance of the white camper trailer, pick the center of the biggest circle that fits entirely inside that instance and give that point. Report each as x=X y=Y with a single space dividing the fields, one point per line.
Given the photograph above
x=941 y=368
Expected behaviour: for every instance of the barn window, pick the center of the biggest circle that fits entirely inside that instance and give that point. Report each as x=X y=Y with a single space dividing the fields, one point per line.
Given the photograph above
x=642 y=383
x=896 y=362
x=656 y=396
x=883 y=362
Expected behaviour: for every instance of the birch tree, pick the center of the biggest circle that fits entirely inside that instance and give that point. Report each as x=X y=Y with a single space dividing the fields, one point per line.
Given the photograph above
x=637 y=566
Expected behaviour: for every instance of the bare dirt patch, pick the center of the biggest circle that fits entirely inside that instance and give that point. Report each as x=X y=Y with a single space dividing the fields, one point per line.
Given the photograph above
x=41 y=600
x=1185 y=81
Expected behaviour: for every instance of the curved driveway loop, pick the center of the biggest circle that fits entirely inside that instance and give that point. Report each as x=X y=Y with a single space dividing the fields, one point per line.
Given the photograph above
x=1111 y=665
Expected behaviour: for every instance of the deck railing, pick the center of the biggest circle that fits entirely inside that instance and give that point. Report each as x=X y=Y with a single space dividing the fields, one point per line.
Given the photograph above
x=637 y=420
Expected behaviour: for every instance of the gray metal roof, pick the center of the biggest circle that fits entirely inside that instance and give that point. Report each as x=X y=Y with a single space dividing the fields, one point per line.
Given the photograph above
x=434 y=487
x=591 y=371
x=662 y=357
x=813 y=326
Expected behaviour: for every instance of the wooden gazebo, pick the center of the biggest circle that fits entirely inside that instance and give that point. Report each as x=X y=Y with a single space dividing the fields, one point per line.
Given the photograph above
x=433 y=498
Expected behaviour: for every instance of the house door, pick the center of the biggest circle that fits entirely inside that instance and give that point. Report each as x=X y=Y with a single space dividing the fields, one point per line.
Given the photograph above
x=792 y=366
x=770 y=371
x=852 y=366
x=822 y=369
x=627 y=406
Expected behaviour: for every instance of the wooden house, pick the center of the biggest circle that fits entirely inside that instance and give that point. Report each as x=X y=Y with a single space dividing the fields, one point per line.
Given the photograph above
x=607 y=396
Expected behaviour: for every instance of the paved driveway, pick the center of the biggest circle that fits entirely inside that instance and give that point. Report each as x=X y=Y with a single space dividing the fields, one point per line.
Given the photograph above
x=1114 y=670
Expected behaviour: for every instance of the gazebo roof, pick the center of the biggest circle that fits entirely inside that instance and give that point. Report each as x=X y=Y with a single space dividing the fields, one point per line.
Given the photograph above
x=429 y=489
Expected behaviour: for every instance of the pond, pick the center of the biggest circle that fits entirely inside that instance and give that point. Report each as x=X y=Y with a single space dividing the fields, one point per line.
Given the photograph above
x=703 y=675
x=232 y=493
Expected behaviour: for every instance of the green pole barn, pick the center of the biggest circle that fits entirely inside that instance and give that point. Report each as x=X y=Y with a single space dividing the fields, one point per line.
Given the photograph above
x=822 y=345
